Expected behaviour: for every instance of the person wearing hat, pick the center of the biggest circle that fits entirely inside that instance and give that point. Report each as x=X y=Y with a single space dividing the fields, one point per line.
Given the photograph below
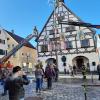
x=14 y=84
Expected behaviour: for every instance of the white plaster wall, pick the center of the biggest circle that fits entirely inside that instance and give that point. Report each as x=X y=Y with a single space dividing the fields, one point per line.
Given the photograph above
x=93 y=57
x=3 y=36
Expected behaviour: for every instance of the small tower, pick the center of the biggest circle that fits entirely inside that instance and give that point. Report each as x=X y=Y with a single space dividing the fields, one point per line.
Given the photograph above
x=60 y=2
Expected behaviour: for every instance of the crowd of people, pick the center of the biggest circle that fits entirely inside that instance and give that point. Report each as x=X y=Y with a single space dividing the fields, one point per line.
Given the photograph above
x=83 y=70
x=50 y=73
x=13 y=81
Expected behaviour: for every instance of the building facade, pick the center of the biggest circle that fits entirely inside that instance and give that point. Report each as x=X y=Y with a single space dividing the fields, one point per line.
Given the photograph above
x=3 y=43
x=25 y=57
x=74 y=43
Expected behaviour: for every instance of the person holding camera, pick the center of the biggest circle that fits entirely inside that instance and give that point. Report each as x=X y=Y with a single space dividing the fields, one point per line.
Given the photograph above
x=14 y=84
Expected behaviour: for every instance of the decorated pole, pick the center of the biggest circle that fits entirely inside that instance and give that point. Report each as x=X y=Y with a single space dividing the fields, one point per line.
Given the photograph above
x=55 y=4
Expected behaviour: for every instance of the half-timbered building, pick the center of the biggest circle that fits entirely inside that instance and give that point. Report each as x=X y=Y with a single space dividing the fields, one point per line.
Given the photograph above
x=66 y=44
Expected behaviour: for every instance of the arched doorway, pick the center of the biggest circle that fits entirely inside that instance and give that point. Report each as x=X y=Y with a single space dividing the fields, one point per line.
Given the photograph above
x=79 y=61
x=51 y=60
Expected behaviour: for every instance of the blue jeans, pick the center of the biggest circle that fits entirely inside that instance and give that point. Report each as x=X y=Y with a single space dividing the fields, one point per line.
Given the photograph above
x=2 y=82
x=41 y=82
x=38 y=84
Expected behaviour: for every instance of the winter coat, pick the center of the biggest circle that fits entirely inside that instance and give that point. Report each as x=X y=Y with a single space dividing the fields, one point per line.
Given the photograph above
x=98 y=68
x=49 y=72
x=38 y=73
x=15 y=87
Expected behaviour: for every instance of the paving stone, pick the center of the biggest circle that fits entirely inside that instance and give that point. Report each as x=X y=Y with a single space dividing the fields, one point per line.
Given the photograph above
x=33 y=98
x=62 y=90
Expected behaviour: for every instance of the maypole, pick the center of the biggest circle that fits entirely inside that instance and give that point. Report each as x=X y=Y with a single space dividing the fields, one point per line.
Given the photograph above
x=55 y=4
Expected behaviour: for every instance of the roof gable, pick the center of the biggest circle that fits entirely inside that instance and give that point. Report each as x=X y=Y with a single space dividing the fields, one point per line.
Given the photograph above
x=68 y=15
x=18 y=39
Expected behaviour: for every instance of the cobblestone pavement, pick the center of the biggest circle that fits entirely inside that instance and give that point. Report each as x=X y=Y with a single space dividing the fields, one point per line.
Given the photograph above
x=65 y=89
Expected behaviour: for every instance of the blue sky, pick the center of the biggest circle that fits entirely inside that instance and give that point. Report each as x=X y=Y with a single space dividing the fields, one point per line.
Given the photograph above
x=23 y=15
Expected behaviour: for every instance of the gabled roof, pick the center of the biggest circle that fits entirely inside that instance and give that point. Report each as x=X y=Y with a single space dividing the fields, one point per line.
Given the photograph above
x=70 y=12
x=18 y=39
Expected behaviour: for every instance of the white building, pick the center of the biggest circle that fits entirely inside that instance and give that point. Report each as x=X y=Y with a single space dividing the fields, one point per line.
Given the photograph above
x=66 y=42
x=3 y=43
